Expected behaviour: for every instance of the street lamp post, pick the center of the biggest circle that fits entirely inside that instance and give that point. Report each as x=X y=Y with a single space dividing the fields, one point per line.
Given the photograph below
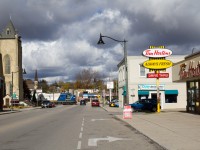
x=24 y=72
x=125 y=60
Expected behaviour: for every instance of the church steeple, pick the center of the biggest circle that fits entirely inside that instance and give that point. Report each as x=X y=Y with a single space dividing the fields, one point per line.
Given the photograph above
x=36 y=80
x=36 y=75
x=9 y=31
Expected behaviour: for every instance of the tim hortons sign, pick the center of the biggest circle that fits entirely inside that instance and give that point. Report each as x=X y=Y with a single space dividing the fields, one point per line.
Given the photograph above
x=157 y=52
x=192 y=70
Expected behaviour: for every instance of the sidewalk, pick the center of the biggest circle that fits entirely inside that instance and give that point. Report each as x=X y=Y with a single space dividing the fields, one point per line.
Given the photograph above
x=172 y=129
x=8 y=110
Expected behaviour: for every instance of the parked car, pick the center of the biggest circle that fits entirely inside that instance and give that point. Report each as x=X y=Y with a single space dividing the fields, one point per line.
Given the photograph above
x=53 y=104
x=150 y=104
x=145 y=104
x=117 y=104
x=137 y=106
x=114 y=103
x=82 y=102
x=95 y=102
x=46 y=104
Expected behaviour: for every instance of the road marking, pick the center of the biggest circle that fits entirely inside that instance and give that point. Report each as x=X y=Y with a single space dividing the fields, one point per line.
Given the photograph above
x=93 y=142
x=83 y=122
x=80 y=134
x=98 y=119
x=79 y=145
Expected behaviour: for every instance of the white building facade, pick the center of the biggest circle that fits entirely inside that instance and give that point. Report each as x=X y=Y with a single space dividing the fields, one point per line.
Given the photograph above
x=172 y=95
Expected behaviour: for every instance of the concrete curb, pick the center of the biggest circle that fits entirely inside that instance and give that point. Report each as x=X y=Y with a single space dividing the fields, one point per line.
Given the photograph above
x=9 y=112
x=16 y=111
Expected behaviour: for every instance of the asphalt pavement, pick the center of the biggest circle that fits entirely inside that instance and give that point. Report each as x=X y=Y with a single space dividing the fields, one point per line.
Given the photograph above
x=173 y=129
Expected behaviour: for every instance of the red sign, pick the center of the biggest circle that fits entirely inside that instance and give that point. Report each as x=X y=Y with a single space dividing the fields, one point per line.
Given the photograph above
x=158 y=75
x=191 y=71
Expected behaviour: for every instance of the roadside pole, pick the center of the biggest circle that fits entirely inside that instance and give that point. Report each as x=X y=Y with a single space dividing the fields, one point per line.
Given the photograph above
x=158 y=92
x=110 y=94
x=110 y=86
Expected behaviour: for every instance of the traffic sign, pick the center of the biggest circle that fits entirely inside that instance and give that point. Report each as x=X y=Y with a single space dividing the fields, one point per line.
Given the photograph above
x=110 y=85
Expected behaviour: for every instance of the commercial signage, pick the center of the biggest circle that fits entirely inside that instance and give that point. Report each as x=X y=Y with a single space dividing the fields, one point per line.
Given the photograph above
x=190 y=71
x=157 y=64
x=158 y=75
x=157 y=53
x=150 y=87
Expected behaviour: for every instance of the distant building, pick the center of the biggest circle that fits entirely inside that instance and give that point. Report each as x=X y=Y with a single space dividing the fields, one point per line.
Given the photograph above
x=33 y=85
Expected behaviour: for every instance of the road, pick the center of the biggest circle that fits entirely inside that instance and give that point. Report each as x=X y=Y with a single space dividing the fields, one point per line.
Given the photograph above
x=69 y=127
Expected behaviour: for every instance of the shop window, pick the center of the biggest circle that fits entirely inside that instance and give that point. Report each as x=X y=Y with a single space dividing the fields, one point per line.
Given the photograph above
x=142 y=71
x=172 y=98
x=192 y=94
x=197 y=90
x=143 y=97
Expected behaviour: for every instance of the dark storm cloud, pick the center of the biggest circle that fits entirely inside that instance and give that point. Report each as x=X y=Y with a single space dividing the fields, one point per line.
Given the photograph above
x=60 y=36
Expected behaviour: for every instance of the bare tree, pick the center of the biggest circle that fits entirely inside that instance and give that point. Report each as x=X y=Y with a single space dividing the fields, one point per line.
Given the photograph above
x=88 y=79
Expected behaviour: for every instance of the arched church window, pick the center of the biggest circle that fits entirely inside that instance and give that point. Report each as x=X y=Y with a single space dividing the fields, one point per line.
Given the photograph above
x=7 y=64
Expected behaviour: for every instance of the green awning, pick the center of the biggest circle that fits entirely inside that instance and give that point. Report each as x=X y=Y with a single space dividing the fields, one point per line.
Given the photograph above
x=143 y=92
x=171 y=92
x=124 y=93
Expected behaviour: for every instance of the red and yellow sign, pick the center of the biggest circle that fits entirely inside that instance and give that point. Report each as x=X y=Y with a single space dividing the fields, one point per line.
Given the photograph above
x=157 y=64
x=157 y=75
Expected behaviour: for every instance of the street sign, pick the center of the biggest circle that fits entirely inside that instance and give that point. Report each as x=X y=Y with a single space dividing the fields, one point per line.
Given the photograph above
x=110 y=85
x=157 y=64
x=157 y=75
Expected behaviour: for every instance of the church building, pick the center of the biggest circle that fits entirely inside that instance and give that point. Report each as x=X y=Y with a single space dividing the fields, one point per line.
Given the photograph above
x=10 y=65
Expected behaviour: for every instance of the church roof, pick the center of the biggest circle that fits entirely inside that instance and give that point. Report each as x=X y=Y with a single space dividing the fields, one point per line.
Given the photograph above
x=9 y=31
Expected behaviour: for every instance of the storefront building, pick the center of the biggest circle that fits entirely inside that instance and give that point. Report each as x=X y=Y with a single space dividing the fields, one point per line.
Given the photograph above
x=173 y=95
x=188 y=72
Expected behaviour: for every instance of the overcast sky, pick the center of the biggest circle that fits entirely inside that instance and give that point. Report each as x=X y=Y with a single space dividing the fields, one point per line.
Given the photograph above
x=59 y=37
